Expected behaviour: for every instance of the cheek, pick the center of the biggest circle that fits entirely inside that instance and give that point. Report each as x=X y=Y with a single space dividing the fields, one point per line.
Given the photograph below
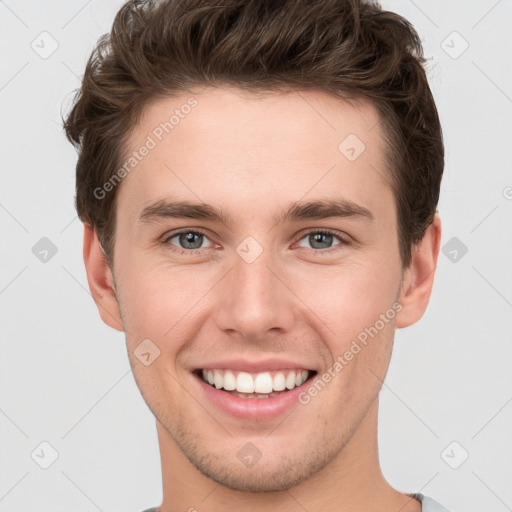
x=349 y=298
x=159 y=301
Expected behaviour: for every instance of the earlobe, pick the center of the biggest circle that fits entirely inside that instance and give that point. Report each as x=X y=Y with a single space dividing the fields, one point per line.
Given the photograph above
x=100 y=279
x=418 y=278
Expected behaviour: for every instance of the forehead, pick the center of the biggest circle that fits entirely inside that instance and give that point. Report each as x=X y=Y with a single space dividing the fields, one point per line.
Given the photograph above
x=236 y=117
x=230 y=146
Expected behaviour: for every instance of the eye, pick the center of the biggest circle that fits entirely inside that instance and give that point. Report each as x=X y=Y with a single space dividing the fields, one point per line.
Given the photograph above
x=192 y=241
x=322 y=240
x=189 y=241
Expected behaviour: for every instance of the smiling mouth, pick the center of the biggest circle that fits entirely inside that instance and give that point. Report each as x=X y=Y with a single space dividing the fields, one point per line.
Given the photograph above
x=266 y=384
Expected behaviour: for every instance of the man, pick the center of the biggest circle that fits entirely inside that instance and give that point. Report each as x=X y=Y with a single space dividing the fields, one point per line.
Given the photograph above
x=258 y=183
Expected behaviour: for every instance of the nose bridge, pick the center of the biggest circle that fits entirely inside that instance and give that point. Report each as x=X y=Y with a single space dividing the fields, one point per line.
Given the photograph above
x=253 y=299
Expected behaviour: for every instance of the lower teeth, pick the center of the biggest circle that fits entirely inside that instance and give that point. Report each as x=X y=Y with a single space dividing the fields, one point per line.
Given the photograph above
x=255 y=395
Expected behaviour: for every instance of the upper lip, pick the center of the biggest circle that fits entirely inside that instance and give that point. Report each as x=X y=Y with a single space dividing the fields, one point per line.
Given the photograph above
x=254 y=366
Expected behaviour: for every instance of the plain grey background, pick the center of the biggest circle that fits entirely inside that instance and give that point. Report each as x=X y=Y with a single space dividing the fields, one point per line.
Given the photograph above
x=65 y=380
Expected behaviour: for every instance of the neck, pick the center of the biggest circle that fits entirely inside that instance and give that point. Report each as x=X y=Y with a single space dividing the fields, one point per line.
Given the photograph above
x=352 y=481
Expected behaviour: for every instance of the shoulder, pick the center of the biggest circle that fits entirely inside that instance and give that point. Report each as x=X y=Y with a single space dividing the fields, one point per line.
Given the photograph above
x=428 y=504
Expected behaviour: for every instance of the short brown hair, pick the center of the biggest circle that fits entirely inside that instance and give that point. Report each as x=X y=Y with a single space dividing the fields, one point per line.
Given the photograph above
x=348 y=48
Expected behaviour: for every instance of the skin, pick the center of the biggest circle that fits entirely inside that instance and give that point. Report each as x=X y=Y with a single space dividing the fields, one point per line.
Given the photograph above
x=254 y=155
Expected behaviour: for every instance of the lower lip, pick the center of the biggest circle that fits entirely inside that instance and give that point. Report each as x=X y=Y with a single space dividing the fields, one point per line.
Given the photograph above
x=251 y=408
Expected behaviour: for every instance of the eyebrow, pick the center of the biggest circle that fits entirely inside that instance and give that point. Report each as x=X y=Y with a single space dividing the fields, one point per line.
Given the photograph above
x=297 y=211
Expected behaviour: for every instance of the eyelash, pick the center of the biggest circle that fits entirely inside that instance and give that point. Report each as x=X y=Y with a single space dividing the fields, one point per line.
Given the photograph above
x=172 y=234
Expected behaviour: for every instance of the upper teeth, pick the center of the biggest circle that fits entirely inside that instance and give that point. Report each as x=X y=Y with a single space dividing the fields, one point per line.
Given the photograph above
x=264 y=382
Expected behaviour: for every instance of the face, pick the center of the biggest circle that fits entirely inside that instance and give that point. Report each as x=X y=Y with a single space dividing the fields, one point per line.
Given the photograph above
x=264 y=289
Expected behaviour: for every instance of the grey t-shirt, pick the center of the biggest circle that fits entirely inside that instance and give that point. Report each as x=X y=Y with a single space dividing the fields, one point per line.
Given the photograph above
x=427 y=504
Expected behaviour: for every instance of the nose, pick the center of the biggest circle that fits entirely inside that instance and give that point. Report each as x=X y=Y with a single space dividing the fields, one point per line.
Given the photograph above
x=255 y=298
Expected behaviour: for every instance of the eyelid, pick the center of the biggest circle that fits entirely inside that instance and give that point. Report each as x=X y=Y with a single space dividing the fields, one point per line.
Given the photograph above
x=174 y=232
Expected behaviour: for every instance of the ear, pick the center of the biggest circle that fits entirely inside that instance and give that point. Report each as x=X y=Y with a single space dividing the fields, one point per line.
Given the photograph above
x=101 y=280
x=418 y=278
